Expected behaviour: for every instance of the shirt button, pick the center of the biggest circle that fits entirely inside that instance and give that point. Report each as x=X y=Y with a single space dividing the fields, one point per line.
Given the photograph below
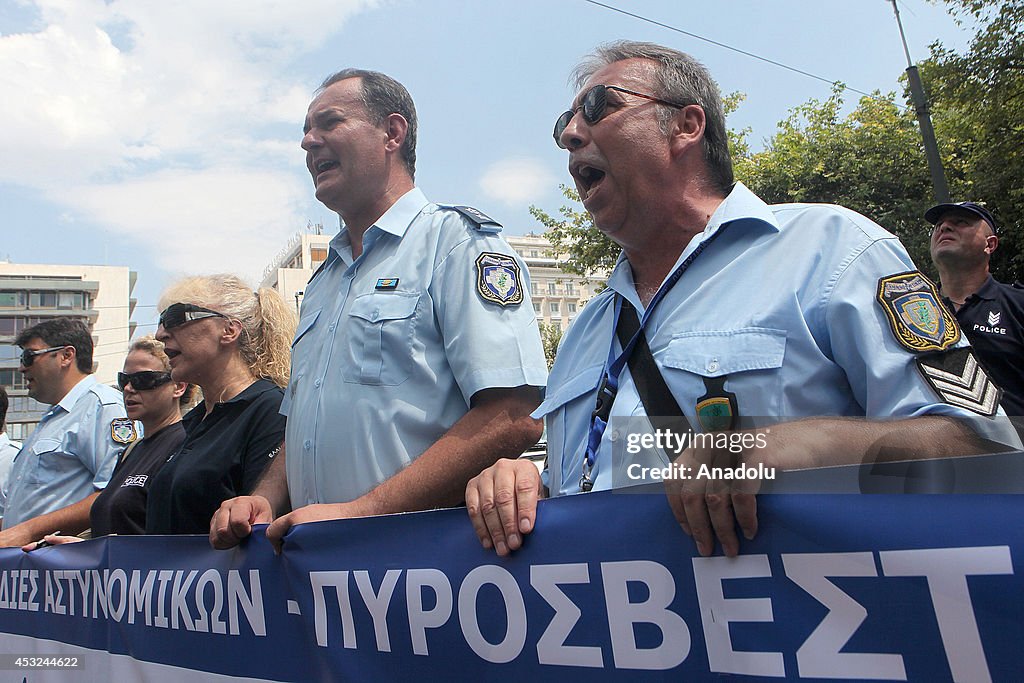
x=713 y=365
x=317 y=383
x=615 y=435
x=307 y=444
x=332 y=327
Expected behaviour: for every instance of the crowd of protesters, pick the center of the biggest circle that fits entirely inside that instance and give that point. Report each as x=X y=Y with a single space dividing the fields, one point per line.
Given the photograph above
x=414 y=375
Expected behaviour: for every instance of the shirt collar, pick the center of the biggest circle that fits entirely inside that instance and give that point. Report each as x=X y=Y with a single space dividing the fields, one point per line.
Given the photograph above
x=988 y=290
x=247 y=395
x=77 y=391
x=739 y=205
x=395 y=220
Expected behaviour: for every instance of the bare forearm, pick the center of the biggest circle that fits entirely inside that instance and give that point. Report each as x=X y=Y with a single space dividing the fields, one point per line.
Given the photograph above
x=273 y=485
x=497 y=426
x=70 y=520
x=824 y=442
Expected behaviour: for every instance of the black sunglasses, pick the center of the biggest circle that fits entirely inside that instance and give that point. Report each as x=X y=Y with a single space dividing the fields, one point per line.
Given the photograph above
x=595 y=104
x=144 y=380
x=28 y=356
x=178 y=314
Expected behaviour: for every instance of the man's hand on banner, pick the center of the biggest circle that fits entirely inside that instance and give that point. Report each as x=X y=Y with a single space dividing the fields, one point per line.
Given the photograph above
x=235 y=519
x=502 y=503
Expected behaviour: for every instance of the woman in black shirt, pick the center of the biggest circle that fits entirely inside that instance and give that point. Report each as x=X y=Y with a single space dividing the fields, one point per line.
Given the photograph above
x=234 y=344
x=154 y=399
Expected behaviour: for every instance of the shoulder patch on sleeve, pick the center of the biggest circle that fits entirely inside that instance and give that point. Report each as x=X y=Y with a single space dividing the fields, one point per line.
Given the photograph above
x=917 y=317
x=478 y=218
x=959 y=380
x=498 y=279
x=122 y=430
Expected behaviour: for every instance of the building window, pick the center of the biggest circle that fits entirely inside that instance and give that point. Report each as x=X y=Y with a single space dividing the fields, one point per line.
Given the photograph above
x=533 y=253
x=534 y=288
x=570 y=288
x=43 y=300
x=572 y=308
x=317 y=254
x=9 y=352
x=12 y=299
x=69 y=300
x=13 y=379
x=551 y=288
x=536 y=308
x=554 y=308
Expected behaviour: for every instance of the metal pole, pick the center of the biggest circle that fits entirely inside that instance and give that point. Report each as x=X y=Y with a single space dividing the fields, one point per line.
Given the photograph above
x=931 y=149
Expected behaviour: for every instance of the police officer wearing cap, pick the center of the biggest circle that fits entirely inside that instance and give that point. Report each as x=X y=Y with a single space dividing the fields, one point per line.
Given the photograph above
x=990 y=313
x=417 y=359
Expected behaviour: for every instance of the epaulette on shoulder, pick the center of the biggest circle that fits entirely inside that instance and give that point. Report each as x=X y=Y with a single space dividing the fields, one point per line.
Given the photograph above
x=478 y=218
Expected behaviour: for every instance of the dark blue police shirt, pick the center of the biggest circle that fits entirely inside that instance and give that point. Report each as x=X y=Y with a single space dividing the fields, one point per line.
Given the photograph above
x=993 y=321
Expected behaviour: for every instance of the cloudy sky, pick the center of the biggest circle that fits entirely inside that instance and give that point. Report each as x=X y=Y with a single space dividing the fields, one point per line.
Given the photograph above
x=165 y=135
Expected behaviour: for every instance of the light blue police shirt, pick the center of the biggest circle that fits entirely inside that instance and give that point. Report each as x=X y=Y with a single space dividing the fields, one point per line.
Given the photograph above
x=69 y=455
x=391 y=346
x=782 y=302
x=8 y=449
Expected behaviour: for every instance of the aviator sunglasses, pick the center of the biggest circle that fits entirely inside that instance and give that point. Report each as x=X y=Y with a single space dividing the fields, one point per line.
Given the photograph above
x=28 y=356
x=595 y=104
x=143 y=380
x=178 y=314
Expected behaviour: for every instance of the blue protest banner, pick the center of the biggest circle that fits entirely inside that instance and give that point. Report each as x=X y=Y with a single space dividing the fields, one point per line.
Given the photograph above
x=846 y=587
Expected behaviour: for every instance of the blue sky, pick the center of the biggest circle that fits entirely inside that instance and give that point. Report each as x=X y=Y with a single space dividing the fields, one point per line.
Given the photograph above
x=165 y=135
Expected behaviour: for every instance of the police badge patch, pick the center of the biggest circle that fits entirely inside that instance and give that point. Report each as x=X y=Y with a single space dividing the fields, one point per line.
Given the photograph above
x=498 y=279
x=916 y=315
x=122 y=430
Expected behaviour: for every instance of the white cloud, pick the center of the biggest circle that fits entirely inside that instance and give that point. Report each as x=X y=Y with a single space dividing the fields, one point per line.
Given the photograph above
x=151 y=120
x=212 y=220
x=517 y=181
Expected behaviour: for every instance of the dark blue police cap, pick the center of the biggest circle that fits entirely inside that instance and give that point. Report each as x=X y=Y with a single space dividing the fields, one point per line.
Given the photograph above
x=933 y=214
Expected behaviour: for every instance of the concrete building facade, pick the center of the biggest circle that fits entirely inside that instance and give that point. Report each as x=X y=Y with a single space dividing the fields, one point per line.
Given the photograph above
x=558 y=296
x=296 y=263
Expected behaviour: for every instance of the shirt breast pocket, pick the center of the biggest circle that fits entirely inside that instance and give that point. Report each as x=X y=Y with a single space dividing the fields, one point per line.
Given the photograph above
x=302 y=354
x=566 y=411
x=749 y=358
x=48 y=461
x=379 y=335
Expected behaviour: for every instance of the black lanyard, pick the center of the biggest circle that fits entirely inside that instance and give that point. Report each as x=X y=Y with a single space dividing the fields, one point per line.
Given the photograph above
x=609 y=387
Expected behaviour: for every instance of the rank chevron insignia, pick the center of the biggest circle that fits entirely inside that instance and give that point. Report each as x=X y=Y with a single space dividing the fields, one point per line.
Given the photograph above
x=959 y=380
x=994 y=317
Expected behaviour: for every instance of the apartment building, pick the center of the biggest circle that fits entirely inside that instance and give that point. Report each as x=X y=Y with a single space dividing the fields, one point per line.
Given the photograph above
x=99 y=296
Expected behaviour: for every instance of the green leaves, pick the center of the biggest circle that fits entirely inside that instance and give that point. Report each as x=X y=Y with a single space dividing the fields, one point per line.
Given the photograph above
x=873 y=161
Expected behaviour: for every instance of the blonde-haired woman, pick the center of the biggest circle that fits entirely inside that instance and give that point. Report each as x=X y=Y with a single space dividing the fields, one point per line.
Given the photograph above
x=233 y=343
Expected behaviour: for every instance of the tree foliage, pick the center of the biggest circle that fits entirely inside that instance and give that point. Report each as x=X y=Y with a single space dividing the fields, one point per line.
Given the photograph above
x=872 y=160
x=978 y=112
x=550 y=338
